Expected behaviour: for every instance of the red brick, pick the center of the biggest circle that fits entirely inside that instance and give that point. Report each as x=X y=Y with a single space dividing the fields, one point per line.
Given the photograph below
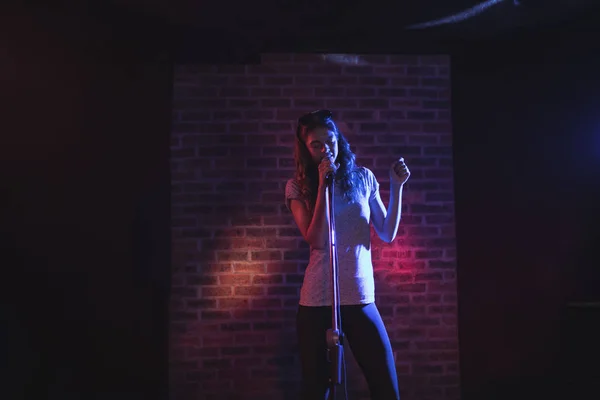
x=218 y=291
x=250 y=267
x=341 y=103
x=231 y=303
x=358 y=69
x=421 y=71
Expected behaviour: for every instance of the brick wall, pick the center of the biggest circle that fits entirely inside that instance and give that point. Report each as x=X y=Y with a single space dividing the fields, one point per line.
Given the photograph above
x=238 y=258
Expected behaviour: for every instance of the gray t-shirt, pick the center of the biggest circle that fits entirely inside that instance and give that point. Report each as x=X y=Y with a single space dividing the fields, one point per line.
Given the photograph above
x=353 y=234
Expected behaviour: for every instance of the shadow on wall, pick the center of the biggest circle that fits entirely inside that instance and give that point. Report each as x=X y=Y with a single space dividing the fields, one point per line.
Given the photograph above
x=240 y=290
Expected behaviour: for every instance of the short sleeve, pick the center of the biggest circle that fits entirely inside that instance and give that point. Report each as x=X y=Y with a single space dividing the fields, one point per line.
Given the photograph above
x=372 y=184
x=292 y=192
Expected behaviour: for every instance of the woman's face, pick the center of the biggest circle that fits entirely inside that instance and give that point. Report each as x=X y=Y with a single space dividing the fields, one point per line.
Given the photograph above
x=322 y=142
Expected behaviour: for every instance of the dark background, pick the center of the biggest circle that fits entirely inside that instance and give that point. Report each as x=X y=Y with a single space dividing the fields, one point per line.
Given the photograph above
x=527 y=167
x=85 y=214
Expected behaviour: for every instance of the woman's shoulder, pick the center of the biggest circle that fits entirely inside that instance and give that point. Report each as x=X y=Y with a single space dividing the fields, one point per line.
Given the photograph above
x=368 y=177
x=293 y=186
x=364 y=171
x=292 y=182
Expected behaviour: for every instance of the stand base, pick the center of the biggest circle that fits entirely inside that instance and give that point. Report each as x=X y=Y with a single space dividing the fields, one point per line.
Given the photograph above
x=335 y=355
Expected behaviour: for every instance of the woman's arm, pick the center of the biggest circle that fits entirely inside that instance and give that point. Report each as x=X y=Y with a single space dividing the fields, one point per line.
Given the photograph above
x=314 y=228
x=386 y=222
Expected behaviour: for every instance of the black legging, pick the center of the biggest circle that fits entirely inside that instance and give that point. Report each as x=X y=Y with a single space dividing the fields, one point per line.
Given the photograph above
x=364 y=332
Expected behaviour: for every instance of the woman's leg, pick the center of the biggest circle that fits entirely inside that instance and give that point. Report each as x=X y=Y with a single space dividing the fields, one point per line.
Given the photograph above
x=372 y=350
x=311 y=325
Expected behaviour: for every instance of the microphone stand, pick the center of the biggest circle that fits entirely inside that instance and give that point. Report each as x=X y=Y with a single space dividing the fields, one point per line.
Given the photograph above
x=334 y=335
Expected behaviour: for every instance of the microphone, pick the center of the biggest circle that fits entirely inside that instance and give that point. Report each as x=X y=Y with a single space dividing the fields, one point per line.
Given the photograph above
x=330 y=175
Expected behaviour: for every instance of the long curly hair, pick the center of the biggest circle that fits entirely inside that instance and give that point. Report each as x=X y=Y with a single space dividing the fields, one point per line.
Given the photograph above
x=349 y=176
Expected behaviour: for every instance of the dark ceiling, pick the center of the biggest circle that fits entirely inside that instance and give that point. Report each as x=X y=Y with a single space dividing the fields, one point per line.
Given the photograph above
x=272 y=15
x=312 y=17
x=249 y=26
